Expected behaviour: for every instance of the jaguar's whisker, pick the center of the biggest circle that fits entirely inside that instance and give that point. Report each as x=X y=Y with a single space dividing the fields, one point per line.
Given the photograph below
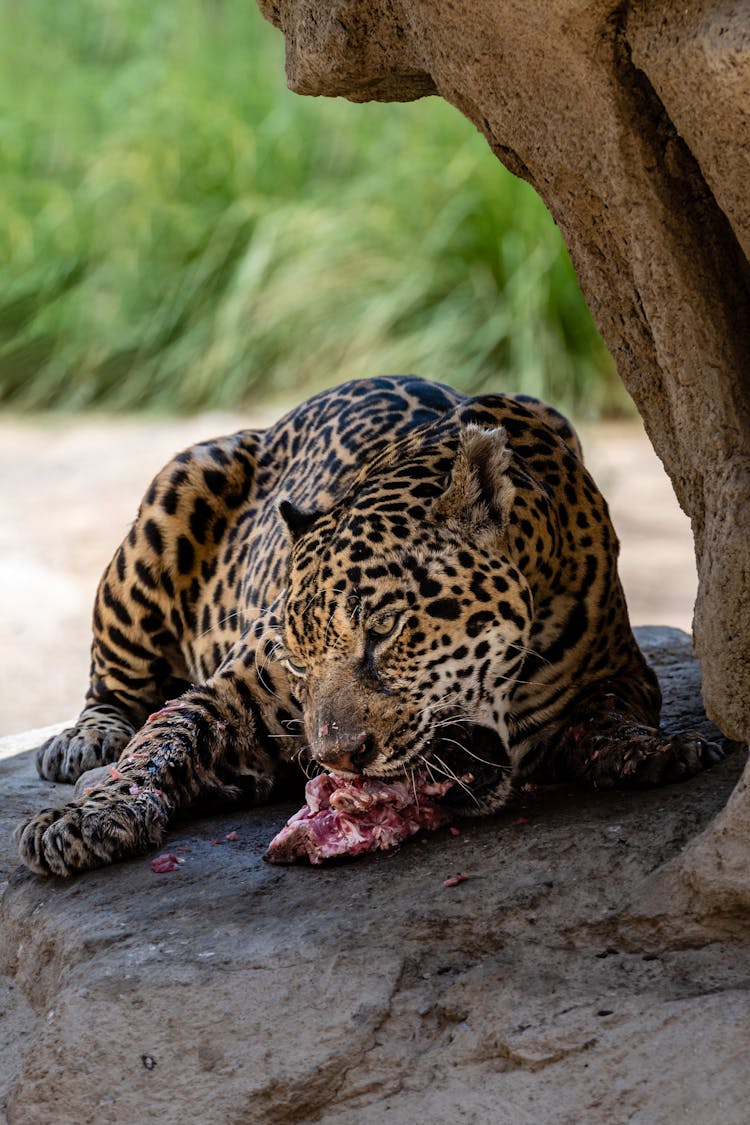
x=448 y=772
x=471 y=754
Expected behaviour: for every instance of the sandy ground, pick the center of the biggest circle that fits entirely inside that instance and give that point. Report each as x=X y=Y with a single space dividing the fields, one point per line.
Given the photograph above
x=70 y=488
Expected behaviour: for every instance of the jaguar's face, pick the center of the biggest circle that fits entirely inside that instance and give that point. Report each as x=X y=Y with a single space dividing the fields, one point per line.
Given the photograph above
x=404 y=658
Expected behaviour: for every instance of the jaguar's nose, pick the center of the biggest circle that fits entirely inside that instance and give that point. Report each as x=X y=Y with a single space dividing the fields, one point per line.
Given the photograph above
x=352 y=755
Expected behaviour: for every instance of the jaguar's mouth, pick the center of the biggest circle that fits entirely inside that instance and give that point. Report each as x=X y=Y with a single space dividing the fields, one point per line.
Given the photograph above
x=470 y=757
x=348 y=816
x=475 y=757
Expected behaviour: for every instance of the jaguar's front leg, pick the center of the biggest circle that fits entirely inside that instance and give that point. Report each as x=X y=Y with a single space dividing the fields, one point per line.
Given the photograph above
x=208 y=742
x=99 y=735
x=608 y=744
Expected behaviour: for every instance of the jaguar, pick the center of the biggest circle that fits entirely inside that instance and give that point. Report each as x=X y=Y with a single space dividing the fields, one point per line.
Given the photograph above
x=395 y=577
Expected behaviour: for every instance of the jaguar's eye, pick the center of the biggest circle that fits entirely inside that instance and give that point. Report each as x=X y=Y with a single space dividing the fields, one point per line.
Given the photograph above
x=384 y=626
x=295 y=668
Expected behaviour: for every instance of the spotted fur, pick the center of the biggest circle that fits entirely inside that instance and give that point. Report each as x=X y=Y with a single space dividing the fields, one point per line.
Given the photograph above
x=395 y=576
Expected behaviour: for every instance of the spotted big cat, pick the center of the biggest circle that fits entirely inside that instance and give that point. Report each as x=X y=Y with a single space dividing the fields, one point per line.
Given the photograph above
x=394 y=580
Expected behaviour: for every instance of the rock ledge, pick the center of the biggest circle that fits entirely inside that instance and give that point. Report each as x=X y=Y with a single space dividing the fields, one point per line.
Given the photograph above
x=233 y=992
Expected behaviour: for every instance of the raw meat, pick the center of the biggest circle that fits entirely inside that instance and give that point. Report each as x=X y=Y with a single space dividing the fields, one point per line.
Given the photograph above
x=161 y=864
x=347 y=817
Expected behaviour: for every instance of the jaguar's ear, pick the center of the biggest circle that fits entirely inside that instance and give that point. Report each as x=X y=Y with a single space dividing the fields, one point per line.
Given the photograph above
x=297 y=521
x=479 y=491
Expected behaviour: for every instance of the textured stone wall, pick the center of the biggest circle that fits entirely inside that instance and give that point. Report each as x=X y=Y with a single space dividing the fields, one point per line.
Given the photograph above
x=632 y=121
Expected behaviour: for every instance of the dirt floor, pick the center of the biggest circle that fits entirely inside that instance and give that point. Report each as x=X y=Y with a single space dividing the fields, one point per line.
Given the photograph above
x=72 y=486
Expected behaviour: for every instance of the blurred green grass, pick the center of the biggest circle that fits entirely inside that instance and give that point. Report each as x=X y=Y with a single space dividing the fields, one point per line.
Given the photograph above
x=178 y=231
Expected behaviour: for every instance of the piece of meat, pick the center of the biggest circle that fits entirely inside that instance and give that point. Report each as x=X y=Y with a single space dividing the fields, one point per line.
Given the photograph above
x=347 y=817
x=161 y=864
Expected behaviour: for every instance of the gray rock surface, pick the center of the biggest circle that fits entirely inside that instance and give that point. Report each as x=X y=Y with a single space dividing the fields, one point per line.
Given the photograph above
x=632 y=121
x=233 y=992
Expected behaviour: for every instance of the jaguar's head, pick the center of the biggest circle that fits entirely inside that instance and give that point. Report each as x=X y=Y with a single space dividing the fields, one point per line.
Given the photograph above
x=406 y=620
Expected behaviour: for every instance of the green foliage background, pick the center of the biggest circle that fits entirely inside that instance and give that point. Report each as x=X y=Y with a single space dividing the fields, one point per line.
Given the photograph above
x=178 y=231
